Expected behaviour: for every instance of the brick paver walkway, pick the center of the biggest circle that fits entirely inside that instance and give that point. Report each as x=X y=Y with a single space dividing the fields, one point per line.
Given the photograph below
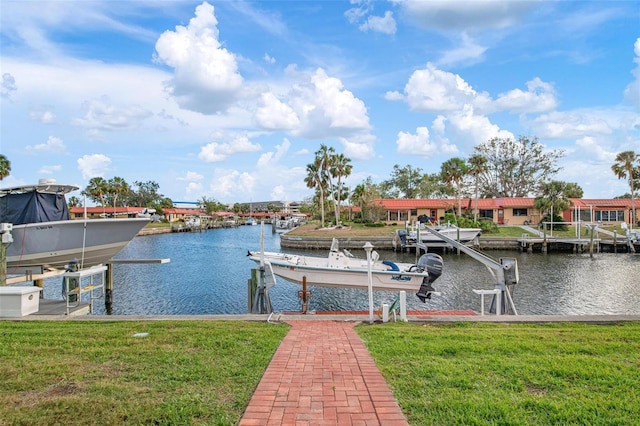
x=322 y=374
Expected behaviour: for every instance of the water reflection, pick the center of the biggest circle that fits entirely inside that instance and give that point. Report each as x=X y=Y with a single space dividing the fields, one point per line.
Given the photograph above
x=209 y=270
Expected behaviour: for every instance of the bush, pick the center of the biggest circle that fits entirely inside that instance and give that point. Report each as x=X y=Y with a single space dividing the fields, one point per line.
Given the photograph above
x=375 y=225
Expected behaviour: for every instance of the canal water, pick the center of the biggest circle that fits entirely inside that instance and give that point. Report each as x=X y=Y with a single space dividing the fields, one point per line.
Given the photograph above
x=208 y=274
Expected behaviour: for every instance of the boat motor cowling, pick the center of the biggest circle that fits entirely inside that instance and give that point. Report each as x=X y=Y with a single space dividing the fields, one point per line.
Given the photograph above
x=433 y=264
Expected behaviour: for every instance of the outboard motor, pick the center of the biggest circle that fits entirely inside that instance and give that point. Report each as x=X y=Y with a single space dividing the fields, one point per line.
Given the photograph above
x=433 y=264
x=402 y=234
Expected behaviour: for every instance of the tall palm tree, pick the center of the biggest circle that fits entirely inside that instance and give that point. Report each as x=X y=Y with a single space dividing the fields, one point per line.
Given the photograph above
x=452 y=173
x=314 y=180
x=117 y=187
x=477 y=166
x=626 y=168
x=339 y=167
x=5 y=167
x=97 y=189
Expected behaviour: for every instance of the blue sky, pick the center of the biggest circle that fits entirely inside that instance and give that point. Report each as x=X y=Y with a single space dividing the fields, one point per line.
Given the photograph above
x=230 y=99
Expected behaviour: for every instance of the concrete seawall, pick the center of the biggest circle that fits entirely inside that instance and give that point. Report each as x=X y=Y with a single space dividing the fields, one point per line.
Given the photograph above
x=294 y=242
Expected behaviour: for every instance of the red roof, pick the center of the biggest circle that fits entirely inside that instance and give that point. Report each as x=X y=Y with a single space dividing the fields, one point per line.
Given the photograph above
x=184 y=211
x=494 y=203
x=106 y=209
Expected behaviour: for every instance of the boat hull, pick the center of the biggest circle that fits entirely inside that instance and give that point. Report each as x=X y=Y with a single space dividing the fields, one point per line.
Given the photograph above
x=353 y=273
x=51 y=245
x=465 y=235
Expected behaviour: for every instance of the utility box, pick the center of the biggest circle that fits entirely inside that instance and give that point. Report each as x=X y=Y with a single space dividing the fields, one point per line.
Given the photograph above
x=19 y=301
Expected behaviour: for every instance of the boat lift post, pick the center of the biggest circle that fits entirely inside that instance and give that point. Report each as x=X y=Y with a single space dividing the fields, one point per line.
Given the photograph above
x=7 y=238
x=505 y=272
x=261 y=301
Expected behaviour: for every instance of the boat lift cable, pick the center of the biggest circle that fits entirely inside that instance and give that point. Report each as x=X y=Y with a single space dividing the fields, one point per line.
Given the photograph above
x=496 y=268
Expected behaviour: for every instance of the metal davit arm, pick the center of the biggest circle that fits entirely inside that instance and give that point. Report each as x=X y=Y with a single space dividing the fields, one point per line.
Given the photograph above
x=496 y=268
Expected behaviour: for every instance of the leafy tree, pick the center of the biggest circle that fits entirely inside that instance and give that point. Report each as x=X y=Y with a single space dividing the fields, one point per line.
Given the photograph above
x=553 y=199
x=627 y=166
x=431 y=186
x=515 y=168
x=363 y=195
x=210 y=205
x=144 y=194
x=573 y=190
x=476 y=166
x=452 y=172
x=5 y=167
x=404 y=182
x=74 y=201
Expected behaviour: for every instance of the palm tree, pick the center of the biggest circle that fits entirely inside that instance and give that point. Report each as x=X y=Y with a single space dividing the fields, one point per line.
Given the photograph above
x=477 y=166
x=5 y=167
x=452 y=173
x=624 y=168
x=314 y=180
x=339 y=167
x=117 y=186
x=97 y=189
x=552 y=198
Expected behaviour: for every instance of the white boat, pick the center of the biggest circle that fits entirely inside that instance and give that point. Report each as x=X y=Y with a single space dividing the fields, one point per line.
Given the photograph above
x=44 y=237
x=251 y=221
x=411 y=235
x=341 y=269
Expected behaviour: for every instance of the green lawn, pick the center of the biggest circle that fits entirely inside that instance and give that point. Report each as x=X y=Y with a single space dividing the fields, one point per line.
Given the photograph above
x=205 y=372
x=526 y=374
x=100 y=373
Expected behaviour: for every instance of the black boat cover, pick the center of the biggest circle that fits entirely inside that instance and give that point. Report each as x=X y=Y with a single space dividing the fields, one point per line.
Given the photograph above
x=33 y=207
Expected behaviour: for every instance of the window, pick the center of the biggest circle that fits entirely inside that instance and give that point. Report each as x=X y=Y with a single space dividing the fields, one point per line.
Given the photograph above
x=486 y=214
x=520 y=212
x=609 y=215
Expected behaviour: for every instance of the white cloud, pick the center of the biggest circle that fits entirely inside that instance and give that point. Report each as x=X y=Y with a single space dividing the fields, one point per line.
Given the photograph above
x=539 y=97
x=359 y=147
x=206 y=77
x=192 y=177
x=228 y=183
x=632 y=91
x=431 y=89
x=382 y=24
x=53 y=145
x=101 y=115
x=468 y=52
x=269 y=59
x=215 y=152
x=470 y=129
x=274 y=114
x=572 y=124
x=8 y=85
x=421 y=144
x=43 y=115
x=318 y=106
x=271 y=159
x=49 y=170
x=94 y=165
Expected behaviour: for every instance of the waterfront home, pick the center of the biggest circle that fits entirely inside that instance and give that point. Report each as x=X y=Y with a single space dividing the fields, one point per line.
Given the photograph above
x=509 y=211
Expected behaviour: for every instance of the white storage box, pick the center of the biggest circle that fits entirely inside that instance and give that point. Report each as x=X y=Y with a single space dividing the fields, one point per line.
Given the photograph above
x=18 y=301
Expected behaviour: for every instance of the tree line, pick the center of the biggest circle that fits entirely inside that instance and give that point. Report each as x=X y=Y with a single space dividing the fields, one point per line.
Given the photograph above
x=500 y=167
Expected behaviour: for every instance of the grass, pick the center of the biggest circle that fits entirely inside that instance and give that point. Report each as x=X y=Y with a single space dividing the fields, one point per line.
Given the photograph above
x=99 y=373
x=204 y=372
x=489 y=374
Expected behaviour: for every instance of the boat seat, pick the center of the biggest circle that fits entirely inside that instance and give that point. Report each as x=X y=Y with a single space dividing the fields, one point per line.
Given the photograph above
x=392 y=266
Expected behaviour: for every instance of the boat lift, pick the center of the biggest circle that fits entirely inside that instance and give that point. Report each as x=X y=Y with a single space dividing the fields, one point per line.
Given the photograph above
x=504 y=271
